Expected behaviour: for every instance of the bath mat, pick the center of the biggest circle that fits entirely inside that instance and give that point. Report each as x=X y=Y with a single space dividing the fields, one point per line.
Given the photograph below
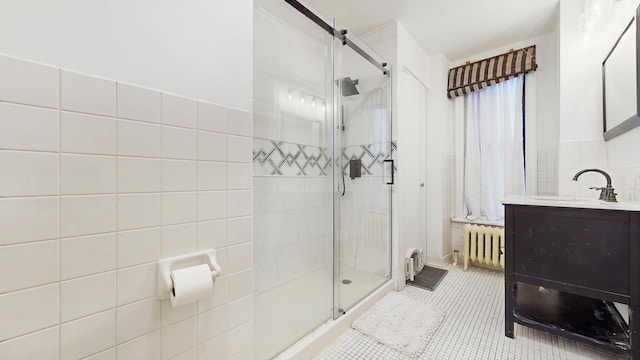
x=400 y=323
x=428 y=278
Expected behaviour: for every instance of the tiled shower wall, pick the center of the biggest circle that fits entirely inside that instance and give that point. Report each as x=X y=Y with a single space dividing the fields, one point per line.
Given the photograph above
x=98 y=181
x=292 y=207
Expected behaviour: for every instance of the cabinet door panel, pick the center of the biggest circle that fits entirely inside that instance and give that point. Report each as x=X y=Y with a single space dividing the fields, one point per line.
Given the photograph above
x=582 y=247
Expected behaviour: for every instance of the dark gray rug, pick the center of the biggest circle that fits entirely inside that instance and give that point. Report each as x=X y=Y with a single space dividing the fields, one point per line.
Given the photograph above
x=428 y=278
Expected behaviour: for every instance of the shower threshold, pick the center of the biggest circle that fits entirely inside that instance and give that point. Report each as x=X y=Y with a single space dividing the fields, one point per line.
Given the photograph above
x=322 y=336
x=279 y=318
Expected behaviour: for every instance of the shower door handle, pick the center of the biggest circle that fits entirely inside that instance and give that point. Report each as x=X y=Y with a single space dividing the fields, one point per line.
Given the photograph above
x=392 y=171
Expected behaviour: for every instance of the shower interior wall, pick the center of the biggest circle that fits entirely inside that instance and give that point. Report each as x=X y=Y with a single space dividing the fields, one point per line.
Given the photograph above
x=364 y=209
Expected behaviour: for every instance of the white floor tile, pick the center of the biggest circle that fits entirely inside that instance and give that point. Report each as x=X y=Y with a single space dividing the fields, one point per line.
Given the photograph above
x=473 y=327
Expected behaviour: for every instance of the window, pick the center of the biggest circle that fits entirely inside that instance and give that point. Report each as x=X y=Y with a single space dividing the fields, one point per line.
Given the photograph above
x=493 y=148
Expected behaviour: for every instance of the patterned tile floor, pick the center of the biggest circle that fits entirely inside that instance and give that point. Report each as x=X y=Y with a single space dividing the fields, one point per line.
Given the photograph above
x=473 y=327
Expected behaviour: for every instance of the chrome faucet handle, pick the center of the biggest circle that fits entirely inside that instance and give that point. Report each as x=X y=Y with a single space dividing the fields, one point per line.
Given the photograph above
x=606 y=193
x=602 y=191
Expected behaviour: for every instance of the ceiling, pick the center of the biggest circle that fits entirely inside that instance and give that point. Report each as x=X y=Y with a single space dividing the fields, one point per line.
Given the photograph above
x=456 y=28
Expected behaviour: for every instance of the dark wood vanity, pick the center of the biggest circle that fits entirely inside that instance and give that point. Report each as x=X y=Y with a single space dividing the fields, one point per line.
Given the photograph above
x=566 y=265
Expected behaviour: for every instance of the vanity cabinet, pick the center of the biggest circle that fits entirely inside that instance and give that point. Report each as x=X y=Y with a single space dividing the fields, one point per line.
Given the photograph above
x=566 y=265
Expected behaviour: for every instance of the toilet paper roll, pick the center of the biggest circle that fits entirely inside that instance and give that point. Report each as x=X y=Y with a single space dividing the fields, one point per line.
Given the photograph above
x=191 y=284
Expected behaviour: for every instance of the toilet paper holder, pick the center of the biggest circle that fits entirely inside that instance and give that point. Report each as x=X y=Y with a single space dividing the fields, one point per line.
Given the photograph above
x=165 y=266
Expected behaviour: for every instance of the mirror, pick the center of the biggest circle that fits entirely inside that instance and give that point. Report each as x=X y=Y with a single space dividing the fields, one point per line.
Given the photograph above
x=620 y=102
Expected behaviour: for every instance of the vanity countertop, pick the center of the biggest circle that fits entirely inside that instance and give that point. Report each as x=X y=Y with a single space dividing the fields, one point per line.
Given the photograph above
x=570 y=201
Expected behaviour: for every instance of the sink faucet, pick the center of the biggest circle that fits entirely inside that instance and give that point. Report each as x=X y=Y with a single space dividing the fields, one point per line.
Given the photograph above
x=606 y=193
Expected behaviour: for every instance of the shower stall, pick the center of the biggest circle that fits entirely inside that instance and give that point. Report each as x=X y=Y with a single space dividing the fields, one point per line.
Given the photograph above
x=323 y=173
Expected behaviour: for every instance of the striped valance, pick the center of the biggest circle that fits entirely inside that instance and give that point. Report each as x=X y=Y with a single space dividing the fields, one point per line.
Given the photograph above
x=480 y=74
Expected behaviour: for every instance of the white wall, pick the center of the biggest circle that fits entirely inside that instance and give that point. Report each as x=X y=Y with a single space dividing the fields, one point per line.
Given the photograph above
x=547 y=111
x=439 y=164
x=420 y=208
x=200 y=49
x=581 y=143
x=109 y=177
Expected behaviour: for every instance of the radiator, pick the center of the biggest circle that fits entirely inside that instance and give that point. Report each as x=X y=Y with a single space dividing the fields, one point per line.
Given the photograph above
x=483 y=244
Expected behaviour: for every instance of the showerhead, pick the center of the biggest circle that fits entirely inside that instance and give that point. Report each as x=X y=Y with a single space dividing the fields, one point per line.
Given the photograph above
x=349 y=86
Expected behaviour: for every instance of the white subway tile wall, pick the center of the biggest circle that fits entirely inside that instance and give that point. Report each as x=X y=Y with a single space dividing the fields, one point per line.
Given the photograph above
x=144 y=347
x=574 y=156
x=28 y=128
x=547 y=171
x=87 y=94
x=43 y=344
x=102 y=180
x=87 y=134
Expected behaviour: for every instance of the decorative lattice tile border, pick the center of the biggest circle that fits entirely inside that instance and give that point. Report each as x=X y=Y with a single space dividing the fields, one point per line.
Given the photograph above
x=272 y=157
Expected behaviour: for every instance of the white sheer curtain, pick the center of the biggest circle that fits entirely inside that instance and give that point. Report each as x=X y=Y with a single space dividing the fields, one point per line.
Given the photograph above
x=493 y=153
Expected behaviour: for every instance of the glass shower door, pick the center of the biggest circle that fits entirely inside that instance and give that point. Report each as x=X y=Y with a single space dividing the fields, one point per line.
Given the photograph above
x=292 y=183
x=321 y=232
x=363 y=175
